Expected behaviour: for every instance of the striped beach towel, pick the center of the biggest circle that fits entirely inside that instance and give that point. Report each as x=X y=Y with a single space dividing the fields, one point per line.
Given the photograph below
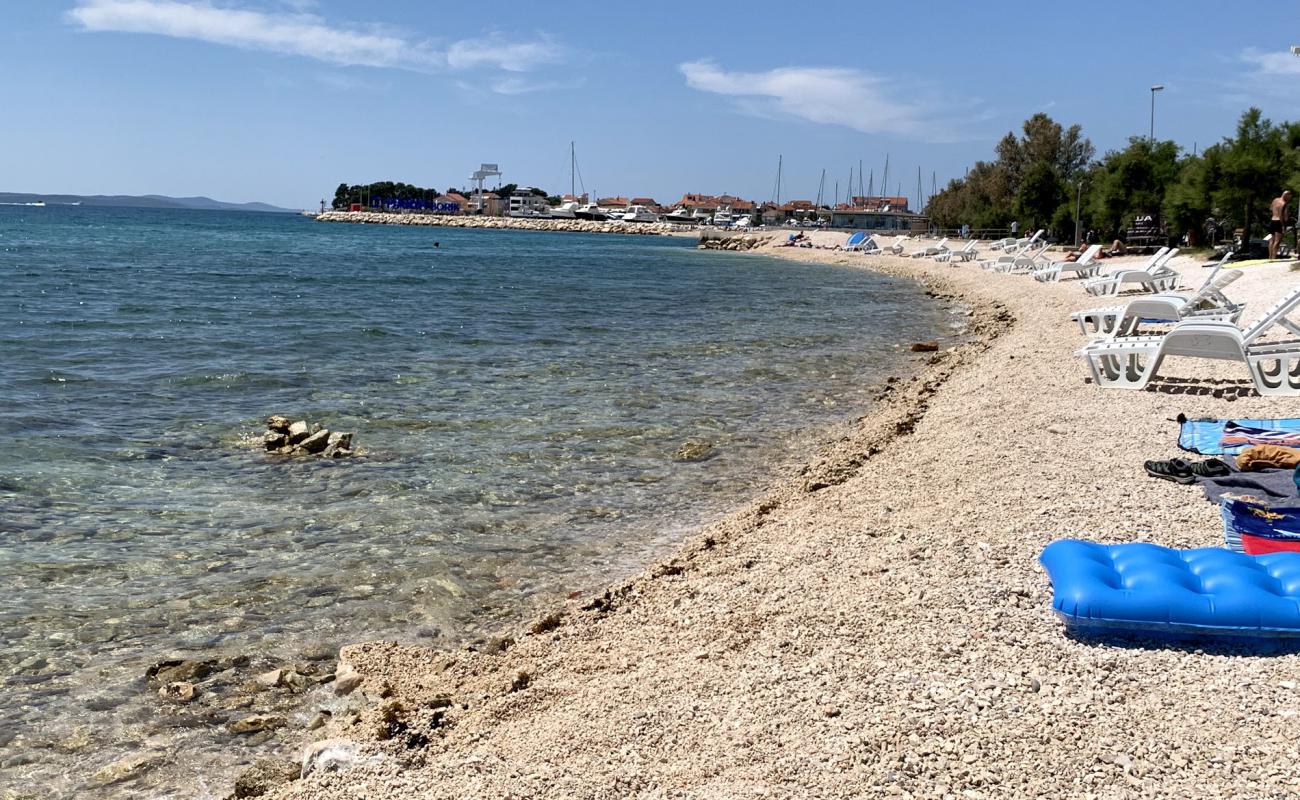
x=1206 y=436
x=1236 y=434
x=1253 y=529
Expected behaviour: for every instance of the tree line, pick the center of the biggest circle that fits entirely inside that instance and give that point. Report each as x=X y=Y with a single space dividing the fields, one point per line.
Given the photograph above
x=1048 y=174
x=389 y=191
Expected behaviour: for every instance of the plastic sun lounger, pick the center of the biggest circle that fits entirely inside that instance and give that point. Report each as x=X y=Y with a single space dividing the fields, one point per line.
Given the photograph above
x=1145 y=588
x=1023 y=262
x=933 y=250
x=1154 y=276
x=1131 y=362
x=967 y=253
x=897 y=247
x=1086 y=267
x=1207 y=304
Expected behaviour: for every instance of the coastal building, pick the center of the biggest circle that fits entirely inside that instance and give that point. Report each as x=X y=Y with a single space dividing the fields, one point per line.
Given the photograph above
x=487 y=204
x=648 y=202
x=879 y=203
x=525 y=200
x=614 y=203
x=878 y=220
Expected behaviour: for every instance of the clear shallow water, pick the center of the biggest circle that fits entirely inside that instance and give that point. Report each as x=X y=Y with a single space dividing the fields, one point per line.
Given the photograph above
x=520 y=396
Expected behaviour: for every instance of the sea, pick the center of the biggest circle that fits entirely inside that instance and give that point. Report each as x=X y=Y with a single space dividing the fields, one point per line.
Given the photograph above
x=519 y=401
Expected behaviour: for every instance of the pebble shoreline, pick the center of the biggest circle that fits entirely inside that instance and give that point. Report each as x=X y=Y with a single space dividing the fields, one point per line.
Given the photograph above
x=877 y=626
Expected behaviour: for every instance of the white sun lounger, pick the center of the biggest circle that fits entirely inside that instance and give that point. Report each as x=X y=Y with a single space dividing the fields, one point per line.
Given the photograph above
x=1131 y=362
x=1086 y=267
x=1207 y=304
x=1155 y=276
x=933 y=250
x=857 y=240
x=897 y=247
x=967 y=253
x=1016 y=256
x=1028 y=261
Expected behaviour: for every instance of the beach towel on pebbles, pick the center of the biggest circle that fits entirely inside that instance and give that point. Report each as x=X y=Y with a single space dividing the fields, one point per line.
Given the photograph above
x=1216 y=437
x=1268 y=487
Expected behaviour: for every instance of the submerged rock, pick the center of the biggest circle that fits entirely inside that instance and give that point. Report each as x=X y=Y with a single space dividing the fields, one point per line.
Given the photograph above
x=125 y=769
x=257 y=723
x=278 y=424
x=178 y=692
x=265 y=775
x=694 y=451
x=176 y=670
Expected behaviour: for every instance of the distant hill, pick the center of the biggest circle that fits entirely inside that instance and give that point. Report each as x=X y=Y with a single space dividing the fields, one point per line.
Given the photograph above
x=140 y=201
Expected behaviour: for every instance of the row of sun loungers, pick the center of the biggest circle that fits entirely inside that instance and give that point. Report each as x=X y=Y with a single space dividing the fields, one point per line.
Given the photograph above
x=1202 y=324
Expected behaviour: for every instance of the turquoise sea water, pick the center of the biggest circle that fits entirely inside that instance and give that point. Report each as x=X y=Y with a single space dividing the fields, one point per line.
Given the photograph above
x=520 y=397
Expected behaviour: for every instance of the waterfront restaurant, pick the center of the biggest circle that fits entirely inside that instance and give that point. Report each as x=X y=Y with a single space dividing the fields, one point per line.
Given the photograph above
x=878 y=220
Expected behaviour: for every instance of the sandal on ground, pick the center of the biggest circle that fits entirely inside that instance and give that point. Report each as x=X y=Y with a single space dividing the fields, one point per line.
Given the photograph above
x=1209 y=468
x=1175 y=469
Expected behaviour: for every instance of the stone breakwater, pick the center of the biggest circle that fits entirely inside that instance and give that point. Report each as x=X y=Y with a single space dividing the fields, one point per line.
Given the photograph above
x=503 y=223
x=729 y=240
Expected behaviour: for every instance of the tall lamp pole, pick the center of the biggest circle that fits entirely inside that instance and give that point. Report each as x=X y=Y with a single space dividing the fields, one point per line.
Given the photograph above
x=1154 y=89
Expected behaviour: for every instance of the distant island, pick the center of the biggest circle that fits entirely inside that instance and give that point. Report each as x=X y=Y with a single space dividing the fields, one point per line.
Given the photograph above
x=139 y=201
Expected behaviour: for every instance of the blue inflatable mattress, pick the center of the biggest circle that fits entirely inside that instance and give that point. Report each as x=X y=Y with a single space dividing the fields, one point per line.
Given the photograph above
x=1145 y=587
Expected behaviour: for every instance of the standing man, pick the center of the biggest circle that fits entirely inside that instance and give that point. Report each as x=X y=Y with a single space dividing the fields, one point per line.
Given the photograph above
x=1277 y=223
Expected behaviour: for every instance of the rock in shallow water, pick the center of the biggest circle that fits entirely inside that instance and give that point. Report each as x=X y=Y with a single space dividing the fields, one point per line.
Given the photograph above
x=178 y=692
x=694 y=451
x=257 y=723
x=125 y=769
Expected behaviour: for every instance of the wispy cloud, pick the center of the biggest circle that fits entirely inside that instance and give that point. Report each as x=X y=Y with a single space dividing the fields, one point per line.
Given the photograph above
x=495 y=51
x=1271 y=63
x=827 y=95
x=295 y=32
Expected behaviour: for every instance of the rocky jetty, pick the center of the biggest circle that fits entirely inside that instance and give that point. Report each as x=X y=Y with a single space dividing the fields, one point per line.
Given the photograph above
x=300 y=438
x=505 y=223
x=731 y=240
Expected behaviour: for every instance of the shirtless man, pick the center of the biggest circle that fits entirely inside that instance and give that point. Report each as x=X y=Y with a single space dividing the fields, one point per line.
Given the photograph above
x=1278 y=223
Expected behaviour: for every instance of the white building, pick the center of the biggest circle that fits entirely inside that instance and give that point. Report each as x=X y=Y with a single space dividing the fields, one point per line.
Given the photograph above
x=525 y=203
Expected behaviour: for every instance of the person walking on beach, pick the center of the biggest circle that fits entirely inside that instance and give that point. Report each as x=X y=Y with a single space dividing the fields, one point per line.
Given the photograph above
x=1015 y=228
x=1277 y=223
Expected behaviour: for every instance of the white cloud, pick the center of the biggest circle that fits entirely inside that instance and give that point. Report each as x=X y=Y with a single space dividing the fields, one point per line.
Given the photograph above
x=827 y=95
x=1272 y=63
x=493 y=51
x=301 y=34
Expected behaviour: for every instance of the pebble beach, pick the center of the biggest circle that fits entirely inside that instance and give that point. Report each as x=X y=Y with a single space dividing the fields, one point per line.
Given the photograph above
x=877 y=626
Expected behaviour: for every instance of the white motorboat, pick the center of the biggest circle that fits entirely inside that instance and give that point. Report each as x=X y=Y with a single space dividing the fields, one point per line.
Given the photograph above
x=591 y=212
x=743 y=222
x=681 y=216
x=640 y=214
x=701 y=217
x=567 y=210
x=723 y=218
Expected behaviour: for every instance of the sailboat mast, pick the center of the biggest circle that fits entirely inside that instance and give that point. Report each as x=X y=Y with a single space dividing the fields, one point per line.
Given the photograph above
x=573 y=161
x=919 y=199
x=871 y=185
x=821 y=188
x=884 y=182
x=779 y=163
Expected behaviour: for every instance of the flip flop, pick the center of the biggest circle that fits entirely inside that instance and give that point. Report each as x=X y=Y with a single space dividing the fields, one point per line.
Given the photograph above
x=1175 y=470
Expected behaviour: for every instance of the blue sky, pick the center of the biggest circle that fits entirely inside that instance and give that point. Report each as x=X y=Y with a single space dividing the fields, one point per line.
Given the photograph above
x=280 y=100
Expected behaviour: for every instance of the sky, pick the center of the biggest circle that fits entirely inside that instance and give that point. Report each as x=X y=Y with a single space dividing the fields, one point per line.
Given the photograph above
x=281 y=100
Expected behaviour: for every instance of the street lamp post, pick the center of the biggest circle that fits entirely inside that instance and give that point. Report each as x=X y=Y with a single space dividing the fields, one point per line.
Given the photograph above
x=1154 y=89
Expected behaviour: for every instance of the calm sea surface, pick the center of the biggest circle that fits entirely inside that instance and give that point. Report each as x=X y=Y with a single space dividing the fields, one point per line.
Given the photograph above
x=519 y=398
